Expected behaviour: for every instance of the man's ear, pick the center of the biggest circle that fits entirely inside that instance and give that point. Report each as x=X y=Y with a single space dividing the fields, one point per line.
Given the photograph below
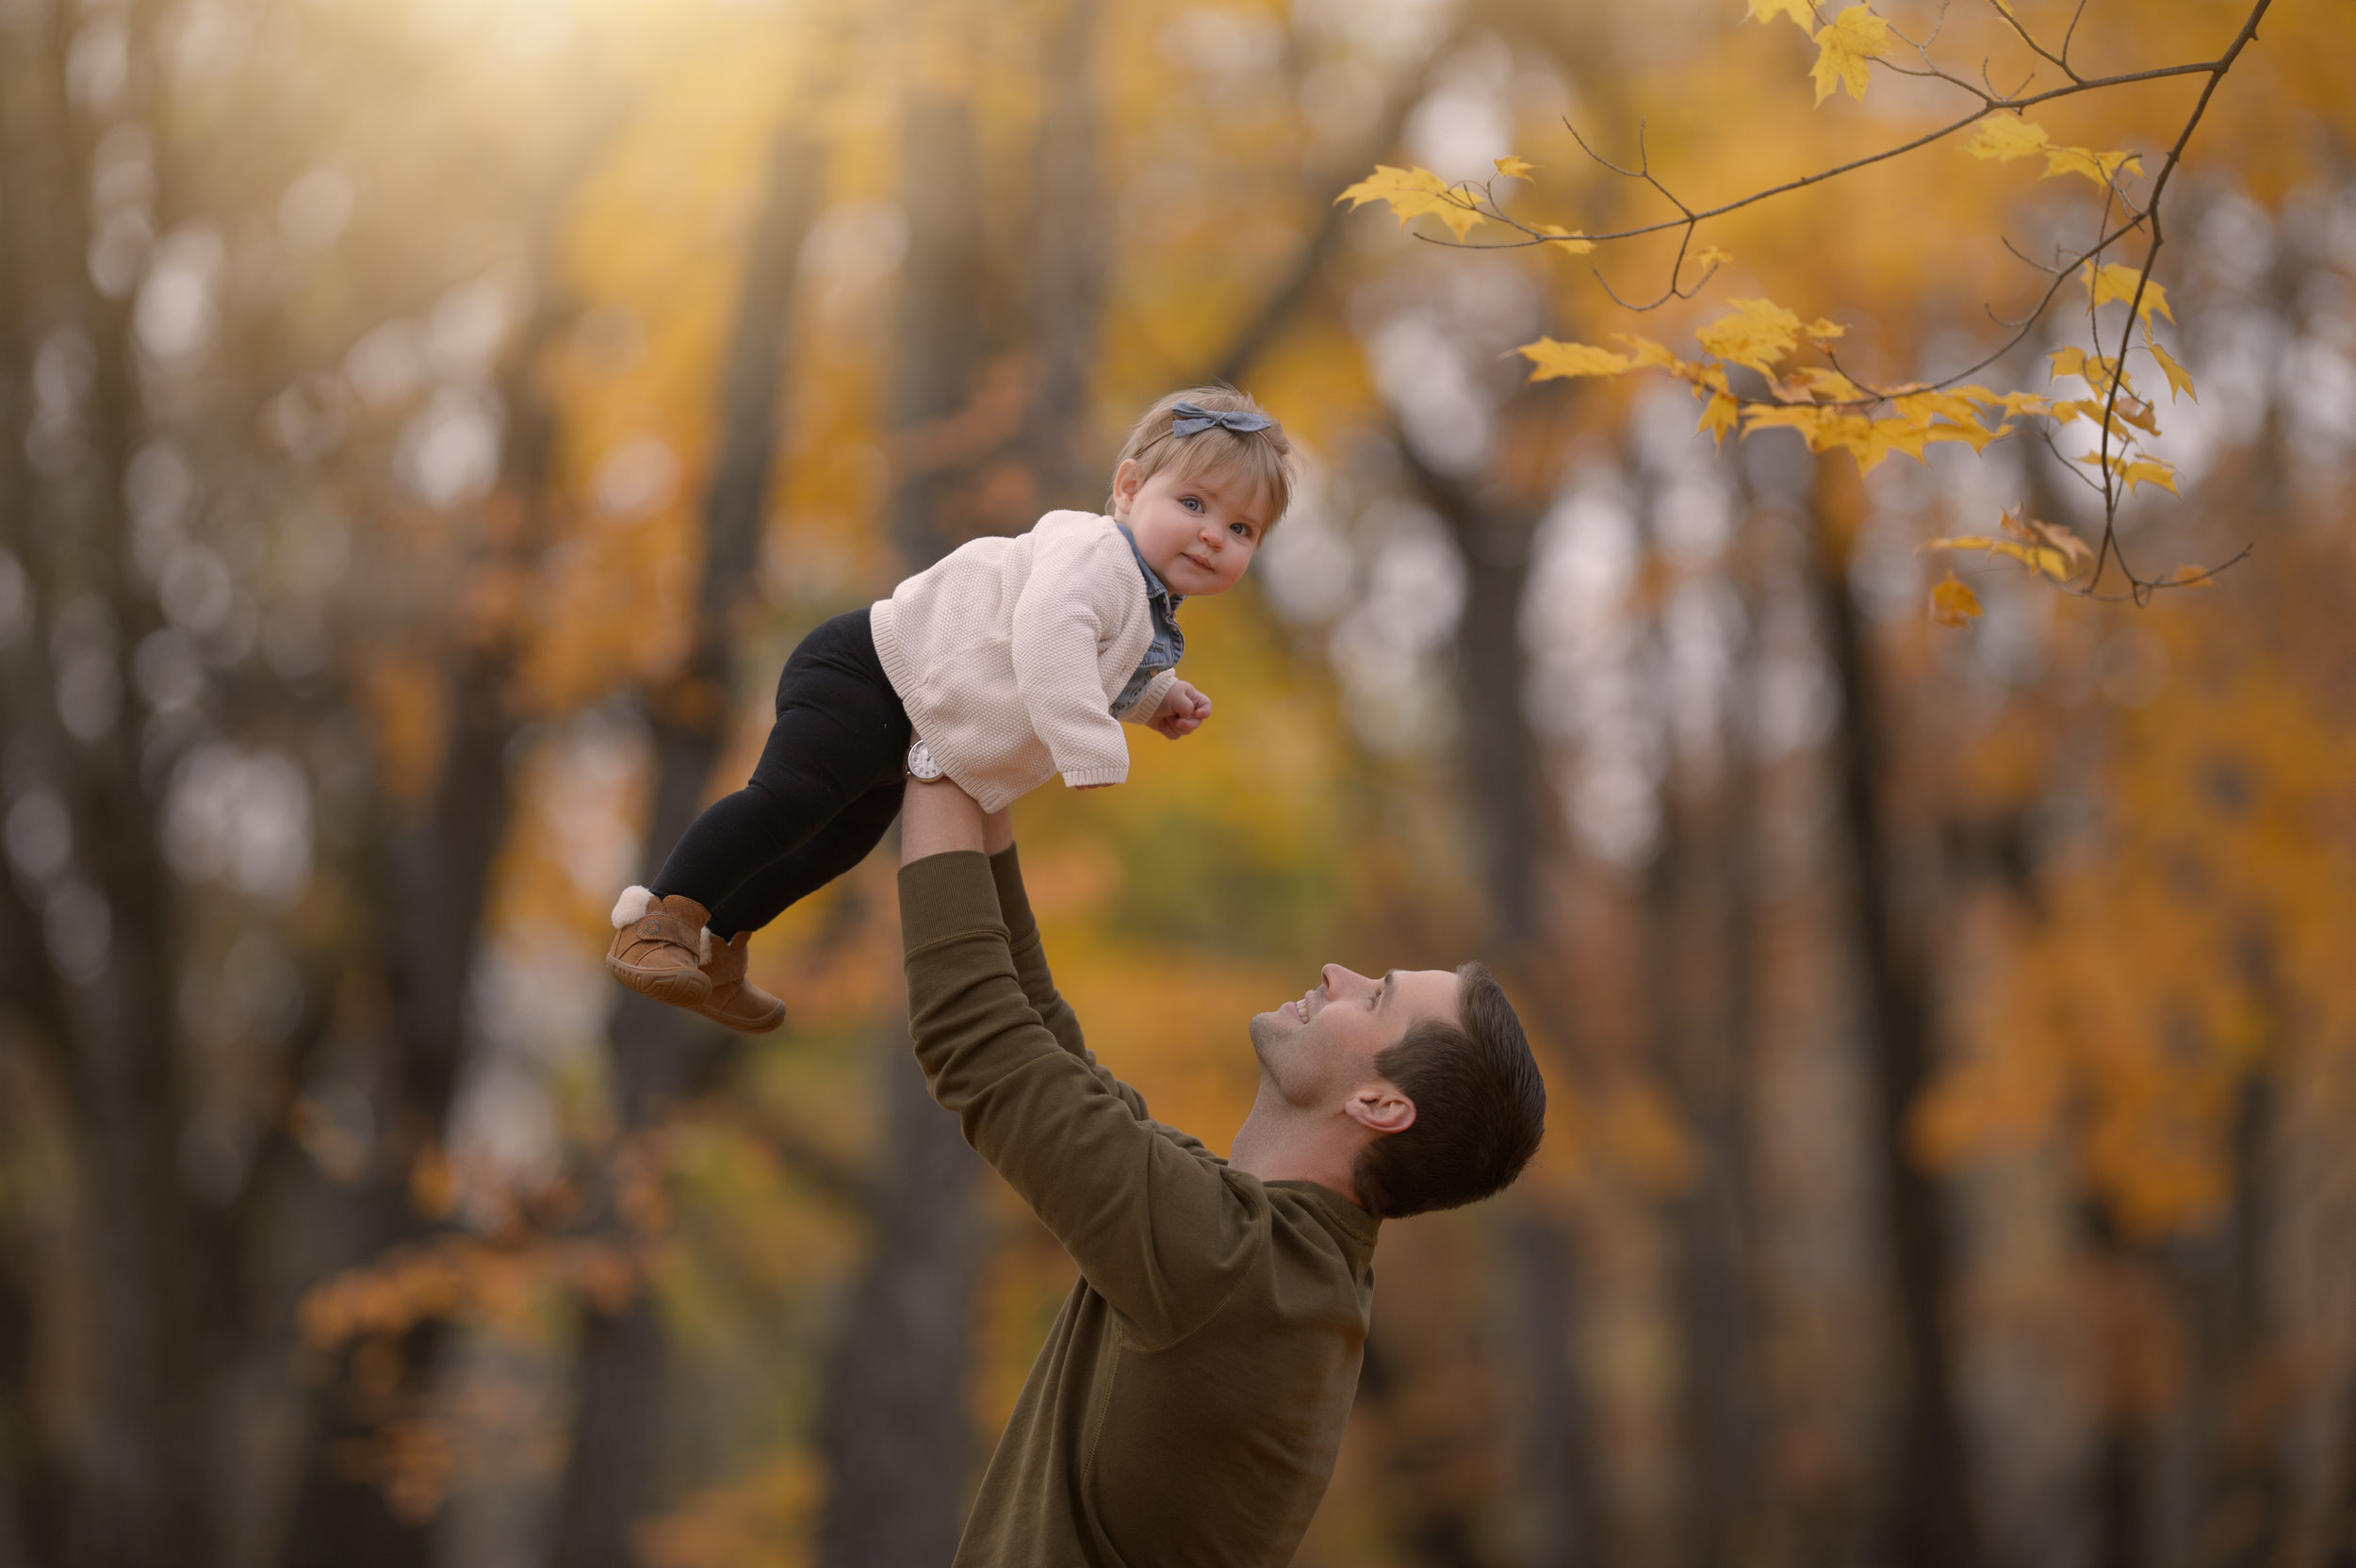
x=1381 y=1108
x=1125 y=486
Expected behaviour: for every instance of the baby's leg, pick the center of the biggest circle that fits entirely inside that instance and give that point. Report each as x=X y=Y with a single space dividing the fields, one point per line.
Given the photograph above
x=839 y=734
x=832 y=851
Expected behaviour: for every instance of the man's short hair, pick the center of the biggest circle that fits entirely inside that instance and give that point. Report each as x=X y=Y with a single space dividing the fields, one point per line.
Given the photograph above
x=1480 y=1106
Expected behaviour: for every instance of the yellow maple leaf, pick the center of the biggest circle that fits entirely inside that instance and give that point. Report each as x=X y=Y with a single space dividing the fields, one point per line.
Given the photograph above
x=1817 y=382
x=1883 y=436
x=1710 y=255
x=1801 y=15
x=1758 y=334
x=1719 y=417
x=2037 y=557
x=1562 y=360
x=1573 y=244
x=1952 y=603
x=2005 y=137
x=1647 y=353
x=2179 y=379
x=2115 y=280
x=1856 y=36
x=1979 y=435
x=2101 y=168
x=1412 y=193
x=2051 y=537
x=2134 y=471
x=1921 y=407
x=1513 y=168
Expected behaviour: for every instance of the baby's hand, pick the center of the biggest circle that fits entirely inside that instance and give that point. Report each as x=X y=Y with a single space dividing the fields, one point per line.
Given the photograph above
x=1184 y=708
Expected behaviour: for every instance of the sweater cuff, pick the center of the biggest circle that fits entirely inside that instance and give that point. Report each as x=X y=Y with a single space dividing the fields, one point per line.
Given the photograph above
x=1079 y=779
x=951 y=894
x=1150 y=700
x=1014 y=902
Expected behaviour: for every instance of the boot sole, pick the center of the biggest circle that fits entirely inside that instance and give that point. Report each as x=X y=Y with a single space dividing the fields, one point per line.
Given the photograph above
x=681 y=988
x=743 y=1026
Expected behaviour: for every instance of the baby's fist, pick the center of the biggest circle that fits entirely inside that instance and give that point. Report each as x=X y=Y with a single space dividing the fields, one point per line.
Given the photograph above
x=1184 y=708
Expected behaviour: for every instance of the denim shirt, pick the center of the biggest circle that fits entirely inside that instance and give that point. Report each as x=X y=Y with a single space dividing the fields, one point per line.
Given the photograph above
x=1169 y=644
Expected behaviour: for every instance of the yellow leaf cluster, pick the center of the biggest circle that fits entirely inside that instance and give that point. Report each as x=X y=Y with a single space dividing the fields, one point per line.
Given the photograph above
x=1855 y=36
x=1799 y=12
x=1760 y=333
x=2009 y=136
x=1413 y=192
x=2048 y=547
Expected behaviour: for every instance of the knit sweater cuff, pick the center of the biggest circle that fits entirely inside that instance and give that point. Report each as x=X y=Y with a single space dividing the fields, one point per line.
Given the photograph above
x=1080 y=778
x=1150 y=700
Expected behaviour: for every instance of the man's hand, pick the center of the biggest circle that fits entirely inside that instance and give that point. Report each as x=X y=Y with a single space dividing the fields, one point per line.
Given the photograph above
x=939 y=817
x=1184 y=708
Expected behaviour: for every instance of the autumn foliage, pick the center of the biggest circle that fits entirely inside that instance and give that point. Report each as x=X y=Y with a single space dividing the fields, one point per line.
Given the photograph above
x=425 y=431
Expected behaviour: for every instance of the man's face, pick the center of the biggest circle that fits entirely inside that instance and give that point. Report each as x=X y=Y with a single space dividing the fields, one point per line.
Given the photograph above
x=1316 y=1049
x=1197 y=534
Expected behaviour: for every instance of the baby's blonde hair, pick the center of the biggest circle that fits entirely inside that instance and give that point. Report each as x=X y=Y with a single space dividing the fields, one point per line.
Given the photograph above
x=1263 y=457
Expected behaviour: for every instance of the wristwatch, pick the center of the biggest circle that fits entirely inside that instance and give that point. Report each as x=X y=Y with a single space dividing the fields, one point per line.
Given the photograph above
x=921 y=767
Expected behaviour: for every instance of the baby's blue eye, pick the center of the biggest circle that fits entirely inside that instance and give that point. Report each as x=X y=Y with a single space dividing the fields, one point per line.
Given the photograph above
x=1241 y=529
x=1190 y=503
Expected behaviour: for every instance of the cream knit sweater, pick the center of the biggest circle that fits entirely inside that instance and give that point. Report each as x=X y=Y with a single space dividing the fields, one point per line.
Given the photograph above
x=1009 y=653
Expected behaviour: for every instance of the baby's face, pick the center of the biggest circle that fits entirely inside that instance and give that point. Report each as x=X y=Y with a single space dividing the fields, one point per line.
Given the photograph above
x=1197 y=534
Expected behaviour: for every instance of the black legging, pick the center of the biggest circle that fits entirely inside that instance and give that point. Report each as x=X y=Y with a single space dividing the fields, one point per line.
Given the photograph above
x=826 y=786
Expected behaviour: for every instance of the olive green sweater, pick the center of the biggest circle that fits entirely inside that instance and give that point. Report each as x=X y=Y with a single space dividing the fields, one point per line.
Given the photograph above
x=1189 y=1404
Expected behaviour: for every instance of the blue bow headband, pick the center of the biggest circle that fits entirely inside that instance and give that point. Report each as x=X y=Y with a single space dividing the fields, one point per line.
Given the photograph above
x=1193 y=420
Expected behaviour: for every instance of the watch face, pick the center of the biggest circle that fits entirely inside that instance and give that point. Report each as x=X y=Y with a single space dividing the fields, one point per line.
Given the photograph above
x=921 y=764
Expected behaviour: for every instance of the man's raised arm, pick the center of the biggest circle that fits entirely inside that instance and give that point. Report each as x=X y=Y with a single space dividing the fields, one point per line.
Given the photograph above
x=1152 y=1225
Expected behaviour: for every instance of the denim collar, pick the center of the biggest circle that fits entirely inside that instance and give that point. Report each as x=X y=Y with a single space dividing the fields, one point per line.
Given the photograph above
x=1155 y=586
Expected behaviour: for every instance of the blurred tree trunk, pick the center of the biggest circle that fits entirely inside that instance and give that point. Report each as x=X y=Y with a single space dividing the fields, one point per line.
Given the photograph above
x=433 y=869
x=1704 y=927
x=1560 y=1462
x=892 y=1424
x=1930 y=1523
x=135 y=1470
x=1069 y=242
x=660 y=1053
x=1493 y=530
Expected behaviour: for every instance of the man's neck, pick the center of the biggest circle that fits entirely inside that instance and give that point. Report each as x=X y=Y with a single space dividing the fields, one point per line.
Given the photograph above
x=1279 y=1142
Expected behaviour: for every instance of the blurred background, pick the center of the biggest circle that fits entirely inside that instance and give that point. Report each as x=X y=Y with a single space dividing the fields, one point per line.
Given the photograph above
x=428 y=427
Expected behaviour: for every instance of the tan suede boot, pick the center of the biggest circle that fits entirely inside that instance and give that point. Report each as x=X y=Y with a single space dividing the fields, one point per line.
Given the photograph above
x=658 y=947
x=734 y=1000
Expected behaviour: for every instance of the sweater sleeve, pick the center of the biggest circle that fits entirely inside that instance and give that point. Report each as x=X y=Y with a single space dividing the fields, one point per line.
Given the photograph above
x=1157 y=1227
x=1063 y=610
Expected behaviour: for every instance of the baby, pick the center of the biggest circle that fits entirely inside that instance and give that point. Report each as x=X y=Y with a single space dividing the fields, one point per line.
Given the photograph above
x=1008 y=662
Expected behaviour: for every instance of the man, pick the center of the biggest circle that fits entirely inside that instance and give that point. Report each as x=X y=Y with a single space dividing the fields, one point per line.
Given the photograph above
x=1190 y=1401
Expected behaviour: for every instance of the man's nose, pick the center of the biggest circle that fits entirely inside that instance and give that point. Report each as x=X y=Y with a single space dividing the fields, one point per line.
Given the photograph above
x=1338 y=979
